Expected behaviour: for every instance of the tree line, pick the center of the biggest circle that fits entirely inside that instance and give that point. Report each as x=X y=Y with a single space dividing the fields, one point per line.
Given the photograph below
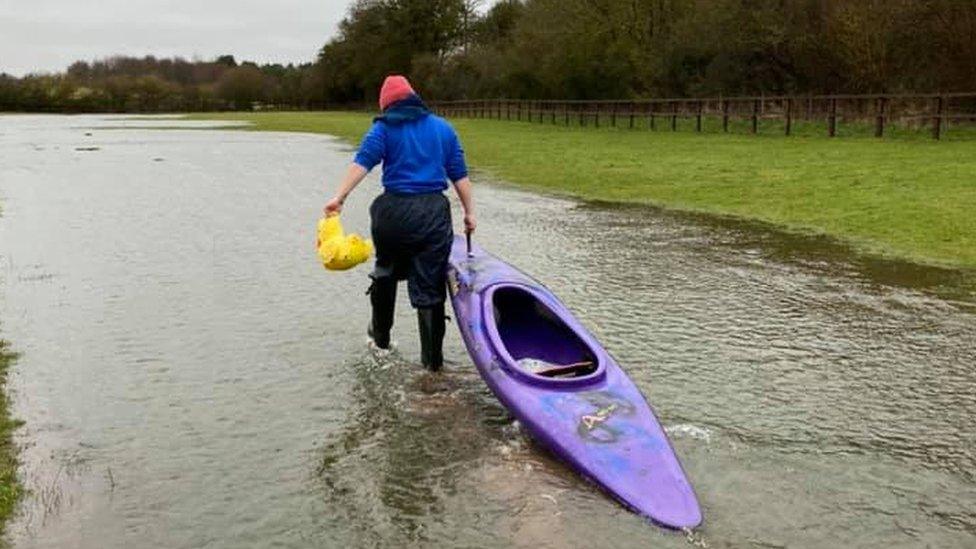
x=630 y=49
x=557 y=49
x=148 y=84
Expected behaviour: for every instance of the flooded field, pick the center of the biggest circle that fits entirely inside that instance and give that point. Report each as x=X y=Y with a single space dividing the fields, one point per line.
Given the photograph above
x=191 y=377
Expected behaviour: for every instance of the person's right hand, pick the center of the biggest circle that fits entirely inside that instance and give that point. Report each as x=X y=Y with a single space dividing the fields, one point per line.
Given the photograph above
x=470 y=223
x=332 y=207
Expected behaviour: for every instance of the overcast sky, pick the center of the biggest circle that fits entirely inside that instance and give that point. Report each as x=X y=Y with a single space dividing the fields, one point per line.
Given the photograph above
x=48 y=35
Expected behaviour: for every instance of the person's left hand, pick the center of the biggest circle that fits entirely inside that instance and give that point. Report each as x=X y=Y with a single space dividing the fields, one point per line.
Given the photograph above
x=333 y=206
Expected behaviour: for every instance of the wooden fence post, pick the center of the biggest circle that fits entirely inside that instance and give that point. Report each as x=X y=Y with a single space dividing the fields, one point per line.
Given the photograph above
x=674 y=116
x=651 y=124
x=566 y=112
x=755 y=116
x=879 y=124
x=632 y=107
x=582 y=119
x=725 y=115
x=613 y=115
x=789 y=115
x=832 y=119
x=596 y=118
x=937 y=119
x=698 y=119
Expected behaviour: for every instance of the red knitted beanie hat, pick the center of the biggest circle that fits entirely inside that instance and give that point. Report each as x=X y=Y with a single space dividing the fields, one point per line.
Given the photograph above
x=395 y=88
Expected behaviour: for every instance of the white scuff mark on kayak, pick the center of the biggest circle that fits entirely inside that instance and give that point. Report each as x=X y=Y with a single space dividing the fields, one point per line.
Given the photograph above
x=550 y=498
x=690 y=431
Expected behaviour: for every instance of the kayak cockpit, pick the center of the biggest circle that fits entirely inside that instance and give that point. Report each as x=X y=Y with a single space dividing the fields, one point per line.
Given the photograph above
x=535 y=340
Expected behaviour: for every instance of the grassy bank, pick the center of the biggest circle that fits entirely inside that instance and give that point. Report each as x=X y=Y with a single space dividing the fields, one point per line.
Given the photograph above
x=907 y=198
x=10 y=489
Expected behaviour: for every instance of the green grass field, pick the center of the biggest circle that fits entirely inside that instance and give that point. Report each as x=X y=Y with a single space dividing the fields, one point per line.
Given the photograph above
x=10 y=489
x=906 y=197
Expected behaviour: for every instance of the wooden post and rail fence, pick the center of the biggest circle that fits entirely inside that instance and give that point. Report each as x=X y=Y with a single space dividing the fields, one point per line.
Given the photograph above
x=935 y=111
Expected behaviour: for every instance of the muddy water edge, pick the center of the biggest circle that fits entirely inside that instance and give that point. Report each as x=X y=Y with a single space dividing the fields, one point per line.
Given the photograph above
x=189 y=376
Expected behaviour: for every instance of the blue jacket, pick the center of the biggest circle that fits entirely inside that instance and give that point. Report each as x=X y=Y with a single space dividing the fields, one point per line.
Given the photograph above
x=420 y=152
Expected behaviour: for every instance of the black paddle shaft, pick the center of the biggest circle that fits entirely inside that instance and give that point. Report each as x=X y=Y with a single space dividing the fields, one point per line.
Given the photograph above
x=467 y=234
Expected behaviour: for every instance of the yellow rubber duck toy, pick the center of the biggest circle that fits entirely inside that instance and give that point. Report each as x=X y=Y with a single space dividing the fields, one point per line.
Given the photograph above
x=339 y=251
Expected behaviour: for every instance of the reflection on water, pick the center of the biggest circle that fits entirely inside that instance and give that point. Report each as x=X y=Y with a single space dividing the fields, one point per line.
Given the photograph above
x=820 y=253
x=192 y=377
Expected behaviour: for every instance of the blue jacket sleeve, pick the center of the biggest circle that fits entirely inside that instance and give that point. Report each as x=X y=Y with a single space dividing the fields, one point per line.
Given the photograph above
x=372 y=148
x=455 y=165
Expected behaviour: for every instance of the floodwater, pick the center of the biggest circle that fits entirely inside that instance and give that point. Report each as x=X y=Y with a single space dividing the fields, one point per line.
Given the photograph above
x=191 y=376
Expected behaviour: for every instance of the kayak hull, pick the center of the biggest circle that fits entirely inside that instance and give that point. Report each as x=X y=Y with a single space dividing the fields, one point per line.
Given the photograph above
x=596 y=420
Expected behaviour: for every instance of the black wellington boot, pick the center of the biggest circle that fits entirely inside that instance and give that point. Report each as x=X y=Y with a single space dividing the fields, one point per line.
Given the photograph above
x=382 y=295
x=431 y=322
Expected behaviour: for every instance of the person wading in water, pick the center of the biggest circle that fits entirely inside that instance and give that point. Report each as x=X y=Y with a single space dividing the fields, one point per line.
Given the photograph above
x=411 y=220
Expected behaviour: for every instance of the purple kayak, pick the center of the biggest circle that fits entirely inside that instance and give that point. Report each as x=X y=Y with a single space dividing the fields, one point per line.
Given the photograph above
x=565 y=389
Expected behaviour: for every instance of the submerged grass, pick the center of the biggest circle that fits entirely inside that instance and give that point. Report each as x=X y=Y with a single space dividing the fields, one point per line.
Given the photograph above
x=906 y=197
x=10 y=488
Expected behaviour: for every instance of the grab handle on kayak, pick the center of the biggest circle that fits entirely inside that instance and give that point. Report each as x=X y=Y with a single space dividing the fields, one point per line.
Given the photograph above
x=464 y=281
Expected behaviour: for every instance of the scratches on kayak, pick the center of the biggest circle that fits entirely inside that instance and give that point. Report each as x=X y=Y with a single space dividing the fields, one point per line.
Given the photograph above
x=593 y=425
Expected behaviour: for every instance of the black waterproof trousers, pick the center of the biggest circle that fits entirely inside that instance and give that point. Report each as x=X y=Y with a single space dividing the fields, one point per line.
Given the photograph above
x=412 y=234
